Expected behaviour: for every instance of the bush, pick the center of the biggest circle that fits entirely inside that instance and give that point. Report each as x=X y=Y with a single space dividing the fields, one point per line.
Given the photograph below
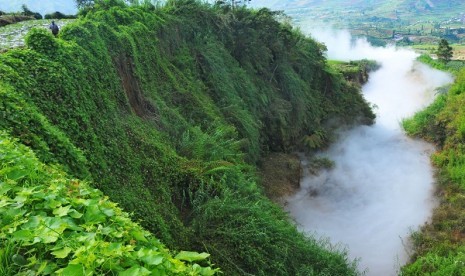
x=28 y=12
x=42 y=41
x=59 y=15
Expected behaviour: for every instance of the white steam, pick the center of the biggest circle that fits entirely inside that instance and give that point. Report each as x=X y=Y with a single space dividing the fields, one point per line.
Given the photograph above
x=381 y=187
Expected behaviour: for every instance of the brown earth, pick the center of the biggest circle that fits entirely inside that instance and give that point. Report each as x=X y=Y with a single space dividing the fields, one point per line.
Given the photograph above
x=280 y=174
x=11 y=19
x=139 y=105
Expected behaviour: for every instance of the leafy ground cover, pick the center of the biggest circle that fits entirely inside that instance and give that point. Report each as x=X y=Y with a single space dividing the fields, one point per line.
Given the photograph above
x=51 y=223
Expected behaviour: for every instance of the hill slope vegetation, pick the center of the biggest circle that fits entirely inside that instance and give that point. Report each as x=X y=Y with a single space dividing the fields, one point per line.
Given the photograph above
x=167 y=111
x=439 y=246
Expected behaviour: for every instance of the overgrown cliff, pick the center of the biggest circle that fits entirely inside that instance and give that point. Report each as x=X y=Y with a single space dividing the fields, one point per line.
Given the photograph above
x=168 y=110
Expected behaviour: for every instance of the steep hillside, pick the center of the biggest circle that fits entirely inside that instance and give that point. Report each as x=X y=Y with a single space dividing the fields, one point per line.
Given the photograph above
x=168 y=110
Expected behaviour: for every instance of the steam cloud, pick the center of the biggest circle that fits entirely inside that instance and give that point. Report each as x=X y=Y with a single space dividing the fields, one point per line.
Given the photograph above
x=381 y=187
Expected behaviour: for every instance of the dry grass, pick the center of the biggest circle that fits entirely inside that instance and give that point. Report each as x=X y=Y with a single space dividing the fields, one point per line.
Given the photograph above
x=459 y=52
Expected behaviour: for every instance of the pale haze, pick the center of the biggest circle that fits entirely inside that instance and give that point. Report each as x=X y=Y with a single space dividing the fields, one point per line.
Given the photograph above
x=381 y=187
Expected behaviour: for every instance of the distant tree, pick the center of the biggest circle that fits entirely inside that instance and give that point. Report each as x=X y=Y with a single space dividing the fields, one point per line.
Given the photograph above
x=85 y=4
x=444 y=51
x=232 y=3
x=82 y=4
x=58 y=15
x=28 y=12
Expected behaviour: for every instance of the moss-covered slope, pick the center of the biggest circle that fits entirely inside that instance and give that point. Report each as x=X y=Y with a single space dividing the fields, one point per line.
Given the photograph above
x=167 y=110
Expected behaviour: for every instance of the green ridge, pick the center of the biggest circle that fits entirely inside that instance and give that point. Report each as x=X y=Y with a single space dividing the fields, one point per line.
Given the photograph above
x=168 y=110
x=439 y=246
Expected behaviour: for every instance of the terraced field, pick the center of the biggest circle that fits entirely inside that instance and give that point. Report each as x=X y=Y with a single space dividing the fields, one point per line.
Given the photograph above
x=12 y=36
x=405 y=10
x=404 y=22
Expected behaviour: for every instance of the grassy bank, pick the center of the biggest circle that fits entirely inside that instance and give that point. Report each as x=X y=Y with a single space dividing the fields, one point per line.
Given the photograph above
x=439 y=246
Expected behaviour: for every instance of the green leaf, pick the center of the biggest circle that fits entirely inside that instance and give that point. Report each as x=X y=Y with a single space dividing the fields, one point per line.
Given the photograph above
x=4 y=188
x=205 y=271
x=74 y=214
x=135 y=271
x=73 y=269
x=62 y=211
x=154 y=258
x=138 y=235
x=19 y=260
x=23 y=235
x=52 y=203
x=16 y=174
x=109 y=212
x=55 y=225
x=62 y=253
x=32 y=223
x=70 y=224
x=93 y=215
x=50 y=237
x=191 y=256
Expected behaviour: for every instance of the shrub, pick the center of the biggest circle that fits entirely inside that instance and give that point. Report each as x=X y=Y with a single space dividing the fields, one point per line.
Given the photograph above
x=59 y=15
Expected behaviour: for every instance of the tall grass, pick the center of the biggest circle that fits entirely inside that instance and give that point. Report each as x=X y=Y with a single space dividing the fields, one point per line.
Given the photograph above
x=439 y=246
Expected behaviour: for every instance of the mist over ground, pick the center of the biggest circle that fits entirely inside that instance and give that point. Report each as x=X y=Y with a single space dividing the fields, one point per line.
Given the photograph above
x=381 y=187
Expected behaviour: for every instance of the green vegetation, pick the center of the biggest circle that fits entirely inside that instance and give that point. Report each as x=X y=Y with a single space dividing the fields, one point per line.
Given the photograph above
x=167 y=111
x=453 y=66
x=439 y=246
x=54 y=224
x=400 y=22
x=355 y=71
x=444 y=51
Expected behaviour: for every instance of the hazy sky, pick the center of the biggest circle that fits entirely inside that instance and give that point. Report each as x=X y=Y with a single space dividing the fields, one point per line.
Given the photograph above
x=41 y=6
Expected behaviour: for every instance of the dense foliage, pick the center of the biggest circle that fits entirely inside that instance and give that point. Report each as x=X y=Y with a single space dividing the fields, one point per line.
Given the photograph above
x=55 y=224
x=167 y=111
x=444 y=51
x=440 y=245
x=453 y=66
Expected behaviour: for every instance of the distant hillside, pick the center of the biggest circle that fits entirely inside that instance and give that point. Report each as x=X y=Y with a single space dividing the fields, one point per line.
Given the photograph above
x=395 y=9
x=43 y=7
